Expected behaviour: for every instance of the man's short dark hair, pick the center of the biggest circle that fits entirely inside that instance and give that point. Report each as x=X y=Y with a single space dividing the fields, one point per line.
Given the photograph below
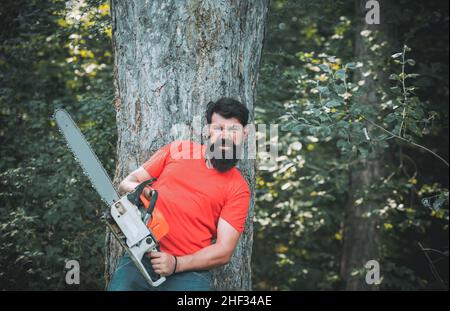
x=227 y=108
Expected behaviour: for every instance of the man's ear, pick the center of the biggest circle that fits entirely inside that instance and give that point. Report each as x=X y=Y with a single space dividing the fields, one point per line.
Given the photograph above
x=207 y=131
x=246 y=131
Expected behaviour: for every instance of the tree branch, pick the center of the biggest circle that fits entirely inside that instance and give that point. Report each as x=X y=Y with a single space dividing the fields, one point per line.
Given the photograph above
x=432 y=267
x=406 y=140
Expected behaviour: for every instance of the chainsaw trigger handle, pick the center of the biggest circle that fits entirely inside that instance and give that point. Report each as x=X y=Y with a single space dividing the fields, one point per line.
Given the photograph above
x=134 y=196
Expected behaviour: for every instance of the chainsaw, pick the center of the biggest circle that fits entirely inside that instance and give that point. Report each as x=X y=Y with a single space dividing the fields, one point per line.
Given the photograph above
x=132 y=219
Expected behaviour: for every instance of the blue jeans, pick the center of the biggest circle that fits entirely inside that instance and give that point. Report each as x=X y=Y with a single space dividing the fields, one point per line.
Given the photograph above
x=128 y=278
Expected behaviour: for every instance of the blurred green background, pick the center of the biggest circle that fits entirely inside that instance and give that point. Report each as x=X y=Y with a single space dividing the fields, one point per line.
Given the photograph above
x=58 y=54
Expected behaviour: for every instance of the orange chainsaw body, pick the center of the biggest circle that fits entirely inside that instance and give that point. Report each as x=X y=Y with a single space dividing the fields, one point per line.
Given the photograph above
x=157 y=224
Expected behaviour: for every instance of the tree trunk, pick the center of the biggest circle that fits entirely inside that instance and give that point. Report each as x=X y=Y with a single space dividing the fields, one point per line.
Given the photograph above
x=361 y=227
x=172 y=58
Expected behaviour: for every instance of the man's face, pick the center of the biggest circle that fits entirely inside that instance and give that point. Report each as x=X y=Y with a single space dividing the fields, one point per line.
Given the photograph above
x=230 y=130
x=226 y=139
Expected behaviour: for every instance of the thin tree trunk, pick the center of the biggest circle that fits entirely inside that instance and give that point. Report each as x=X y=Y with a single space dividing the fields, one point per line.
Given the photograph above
x=361 y=227
x=172 y=58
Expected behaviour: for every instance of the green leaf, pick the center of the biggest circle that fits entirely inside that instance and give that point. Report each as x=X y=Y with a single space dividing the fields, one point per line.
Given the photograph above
x=325 y=68
x=364 y=151
x=340 y=89
x=412 y=75
x=325 y=131
x=323 y=118
x=411 y=62
x=343 y=144
x=323 y=90
x=340 y=74
x=342 y=133
x=317 y=122
x=343 y=124
x=412 y=126
x=394 y=76
x=288 y=126
x=333 y=103
x=298 y=128
x=351 y=66
x=397 y=55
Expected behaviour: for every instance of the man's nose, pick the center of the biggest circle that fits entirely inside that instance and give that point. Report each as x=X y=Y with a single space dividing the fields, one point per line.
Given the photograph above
x=224 y=134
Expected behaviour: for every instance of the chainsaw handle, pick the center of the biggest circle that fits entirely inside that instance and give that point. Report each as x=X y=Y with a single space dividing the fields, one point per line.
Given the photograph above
x=136 y=196
x=153 y=218
x=149 y=204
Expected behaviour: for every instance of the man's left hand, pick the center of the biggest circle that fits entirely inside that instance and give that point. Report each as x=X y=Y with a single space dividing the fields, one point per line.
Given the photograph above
x=162 y=263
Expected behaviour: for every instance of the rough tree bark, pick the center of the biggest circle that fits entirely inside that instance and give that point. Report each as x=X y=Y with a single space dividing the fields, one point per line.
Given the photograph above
x=361 y=227
x=171 y=58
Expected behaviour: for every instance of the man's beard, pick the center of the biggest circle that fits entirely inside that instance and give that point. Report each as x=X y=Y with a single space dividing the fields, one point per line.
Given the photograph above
x=222 y=159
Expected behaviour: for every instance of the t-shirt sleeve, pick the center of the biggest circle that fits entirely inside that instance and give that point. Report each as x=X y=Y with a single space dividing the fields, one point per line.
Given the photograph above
x=236 y=206
x=155 y=165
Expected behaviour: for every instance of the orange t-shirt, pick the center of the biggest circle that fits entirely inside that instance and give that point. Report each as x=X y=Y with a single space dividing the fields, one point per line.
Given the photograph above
x=192 y=197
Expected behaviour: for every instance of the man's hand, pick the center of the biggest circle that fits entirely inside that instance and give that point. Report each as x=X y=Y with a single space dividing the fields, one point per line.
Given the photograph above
x=147 y=192
x=162 y=263
x=133 y=180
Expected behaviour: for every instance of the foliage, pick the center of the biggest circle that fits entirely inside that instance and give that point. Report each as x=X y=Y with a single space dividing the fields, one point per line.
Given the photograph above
x=328 y=131
x=52 y=55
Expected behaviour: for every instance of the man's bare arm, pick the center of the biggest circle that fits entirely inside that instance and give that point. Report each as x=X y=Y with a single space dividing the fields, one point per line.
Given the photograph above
x=133 y=179
x=217 y=254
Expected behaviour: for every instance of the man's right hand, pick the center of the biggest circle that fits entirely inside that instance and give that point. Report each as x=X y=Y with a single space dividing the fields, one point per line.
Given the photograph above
x=133 y=180
x=147 y=192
